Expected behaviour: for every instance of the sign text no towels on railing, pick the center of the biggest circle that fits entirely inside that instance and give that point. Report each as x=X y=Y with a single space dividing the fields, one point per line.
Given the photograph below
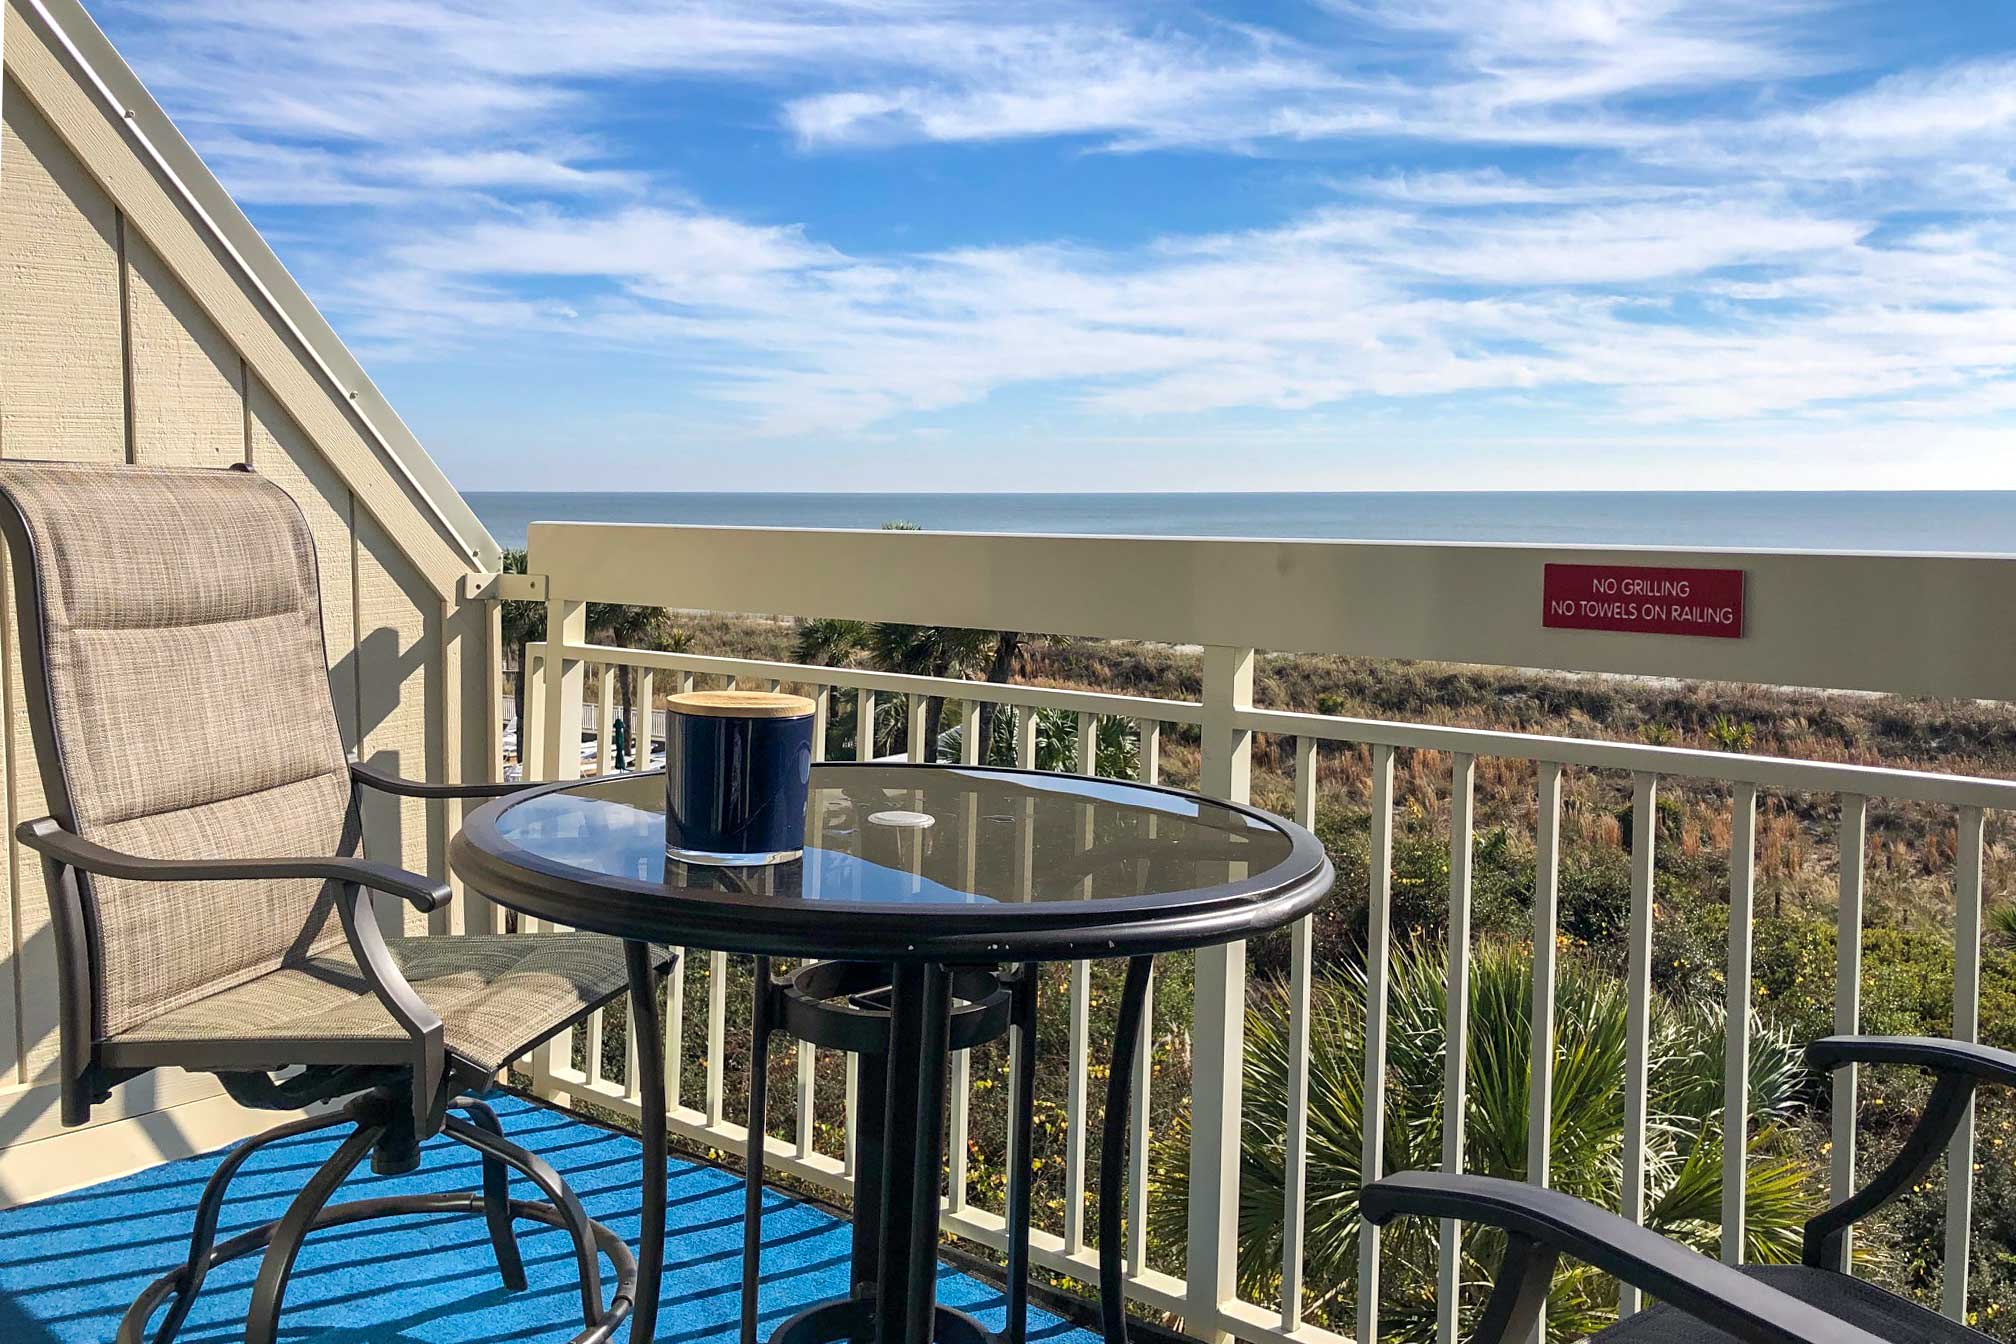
x=1644 y=600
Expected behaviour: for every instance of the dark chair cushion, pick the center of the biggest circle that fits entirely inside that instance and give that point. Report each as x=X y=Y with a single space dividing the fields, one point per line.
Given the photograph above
x=1881 y=1313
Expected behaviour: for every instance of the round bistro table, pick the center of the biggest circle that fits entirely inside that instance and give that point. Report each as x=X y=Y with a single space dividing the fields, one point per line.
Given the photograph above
x=924 y=898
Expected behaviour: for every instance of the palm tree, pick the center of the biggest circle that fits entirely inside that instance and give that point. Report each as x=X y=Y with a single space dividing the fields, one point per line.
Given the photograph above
x=1683 y=1134
x=929 y=651
x=830 y=643
x=635 y=628
x=523 y=622
x=915 y=650
x=1001 y=668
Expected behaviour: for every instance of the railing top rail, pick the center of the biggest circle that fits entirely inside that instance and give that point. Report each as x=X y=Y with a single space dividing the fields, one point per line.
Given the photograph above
x=1907 y=624
x=1650 y=554
x=895 y=683
x=1769 y=772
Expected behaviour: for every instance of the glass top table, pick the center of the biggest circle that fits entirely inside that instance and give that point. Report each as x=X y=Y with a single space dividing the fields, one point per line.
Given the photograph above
x=1006 y=864
x=917 y=886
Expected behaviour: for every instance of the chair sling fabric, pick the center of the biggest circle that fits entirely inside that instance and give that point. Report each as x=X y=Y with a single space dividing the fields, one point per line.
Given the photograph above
x=188 y=690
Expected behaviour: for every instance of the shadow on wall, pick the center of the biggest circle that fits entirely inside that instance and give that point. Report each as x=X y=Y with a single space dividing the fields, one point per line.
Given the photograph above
x=381 y=670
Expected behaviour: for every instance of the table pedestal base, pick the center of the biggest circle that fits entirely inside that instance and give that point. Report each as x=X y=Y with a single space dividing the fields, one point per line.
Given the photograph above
x=852 y=1320
x=904 y=1020
x=901 y=1023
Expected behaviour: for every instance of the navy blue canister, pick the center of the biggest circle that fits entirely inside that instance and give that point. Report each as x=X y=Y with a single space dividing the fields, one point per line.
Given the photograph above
x=738 y=765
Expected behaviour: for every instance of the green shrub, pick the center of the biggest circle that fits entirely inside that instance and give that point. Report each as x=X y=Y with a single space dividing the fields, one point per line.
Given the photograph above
x=1727 y=734
x=1684 y=1139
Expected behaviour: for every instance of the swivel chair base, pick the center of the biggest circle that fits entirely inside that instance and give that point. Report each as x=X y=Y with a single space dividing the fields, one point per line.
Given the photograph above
x=374 y=1117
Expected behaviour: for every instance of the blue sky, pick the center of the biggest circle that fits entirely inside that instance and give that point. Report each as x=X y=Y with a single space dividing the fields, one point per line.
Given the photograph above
x=1338 y=244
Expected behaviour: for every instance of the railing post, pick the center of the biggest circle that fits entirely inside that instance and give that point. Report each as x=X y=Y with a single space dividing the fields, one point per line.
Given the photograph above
x=1736 y=1050
x=1378 y=973
x=560 y=745
x=1546 y=935
x=532 y=729
x=1638 y=1009
x=566 y=679
x=1219 y=1033
x=1853 y=844
x=479 y=914
x=1966 y=1027
x=1456 y=1031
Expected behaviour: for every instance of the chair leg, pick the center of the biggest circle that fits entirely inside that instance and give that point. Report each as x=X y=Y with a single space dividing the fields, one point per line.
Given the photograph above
x=262 y=1321
x=567 y=1207
x=1524 y=1278
x=204 y=1238
x=497 y=1198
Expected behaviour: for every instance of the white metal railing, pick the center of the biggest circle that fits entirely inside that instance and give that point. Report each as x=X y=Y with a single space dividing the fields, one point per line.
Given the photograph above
x=1207 y=1296
x=1852 y=785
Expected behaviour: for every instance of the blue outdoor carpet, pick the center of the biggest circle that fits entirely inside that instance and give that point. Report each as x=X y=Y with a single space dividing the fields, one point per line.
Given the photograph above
x=70 y=1264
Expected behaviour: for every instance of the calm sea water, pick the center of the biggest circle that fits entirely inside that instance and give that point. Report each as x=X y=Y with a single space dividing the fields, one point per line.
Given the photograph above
x=1955 y=521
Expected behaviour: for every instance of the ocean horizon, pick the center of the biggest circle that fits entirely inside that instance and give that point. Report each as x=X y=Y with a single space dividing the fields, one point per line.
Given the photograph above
x=1952 y=521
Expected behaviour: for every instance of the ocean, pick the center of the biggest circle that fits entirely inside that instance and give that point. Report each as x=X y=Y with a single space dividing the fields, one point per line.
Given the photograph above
x=1980 y=522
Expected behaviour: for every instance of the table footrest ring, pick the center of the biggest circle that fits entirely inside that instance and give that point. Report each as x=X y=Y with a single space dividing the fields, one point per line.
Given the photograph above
x=844 y=1005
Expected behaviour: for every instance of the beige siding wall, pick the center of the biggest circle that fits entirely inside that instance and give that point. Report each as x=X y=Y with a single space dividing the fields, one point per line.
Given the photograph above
x=185 y=380
x=128 y=336
x=61 y=345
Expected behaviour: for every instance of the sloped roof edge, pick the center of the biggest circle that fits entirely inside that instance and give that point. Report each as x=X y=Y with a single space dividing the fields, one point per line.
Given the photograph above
x=127 y=99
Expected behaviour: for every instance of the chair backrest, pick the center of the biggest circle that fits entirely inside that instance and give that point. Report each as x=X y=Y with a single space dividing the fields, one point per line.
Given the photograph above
x=178 y=692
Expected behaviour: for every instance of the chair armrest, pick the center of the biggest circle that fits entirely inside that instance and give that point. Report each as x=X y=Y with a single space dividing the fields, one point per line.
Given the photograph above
x=1982 y=1062
x=1705 y=1289
x=46 y=837
x=413 y=788
x=1958 y=1067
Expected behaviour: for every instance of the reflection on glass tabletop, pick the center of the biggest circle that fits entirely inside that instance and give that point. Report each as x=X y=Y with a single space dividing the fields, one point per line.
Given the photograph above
x=901 y=835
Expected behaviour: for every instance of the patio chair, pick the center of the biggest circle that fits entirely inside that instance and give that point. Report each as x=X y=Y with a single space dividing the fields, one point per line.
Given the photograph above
x=210 y=907
x=1702 y=1301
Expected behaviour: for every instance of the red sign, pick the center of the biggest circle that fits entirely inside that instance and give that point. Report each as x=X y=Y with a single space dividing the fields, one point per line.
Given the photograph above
x=1644 y=600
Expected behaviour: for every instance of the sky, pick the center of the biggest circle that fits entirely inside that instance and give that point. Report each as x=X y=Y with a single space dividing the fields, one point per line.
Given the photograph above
x=1323 y=245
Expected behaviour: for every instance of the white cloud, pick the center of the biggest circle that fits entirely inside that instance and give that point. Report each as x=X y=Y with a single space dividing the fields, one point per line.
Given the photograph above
x=671 y=251
x=1076 y=79
x=1698 y=312
x=1495 y=187
x=1921 y=110
x=1642 y=215
x=510 y=168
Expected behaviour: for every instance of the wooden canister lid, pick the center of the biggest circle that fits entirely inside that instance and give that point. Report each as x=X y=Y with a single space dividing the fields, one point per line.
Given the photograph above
x=740 y=705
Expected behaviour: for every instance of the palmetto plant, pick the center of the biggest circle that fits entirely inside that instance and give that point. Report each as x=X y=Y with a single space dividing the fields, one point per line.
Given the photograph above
x=635 y=628
x=2002 y=924
x=1732 y=735
x=1683 y=1138
x=523 y=622
x=1117 y=743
